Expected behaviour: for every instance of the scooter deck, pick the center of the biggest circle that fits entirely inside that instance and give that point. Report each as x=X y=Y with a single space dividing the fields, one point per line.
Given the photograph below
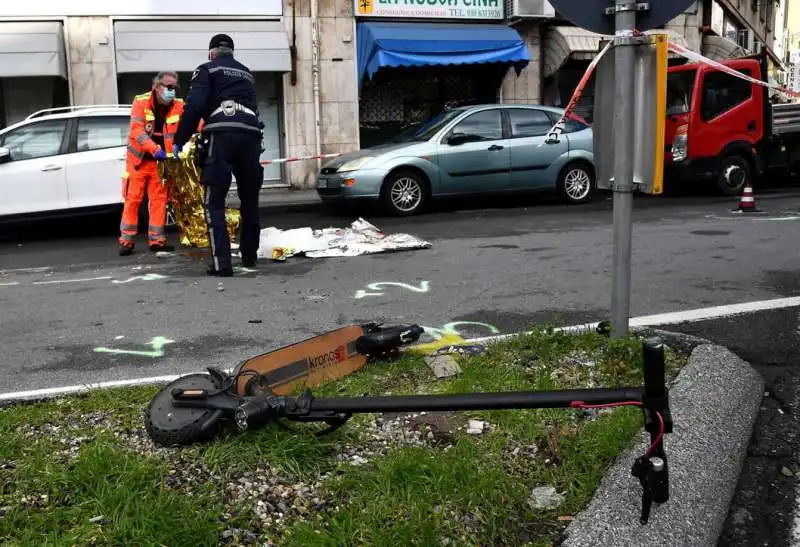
x=306 y=364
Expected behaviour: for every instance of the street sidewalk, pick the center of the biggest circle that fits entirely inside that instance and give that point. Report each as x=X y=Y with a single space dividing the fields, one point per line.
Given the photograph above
x=279 y=198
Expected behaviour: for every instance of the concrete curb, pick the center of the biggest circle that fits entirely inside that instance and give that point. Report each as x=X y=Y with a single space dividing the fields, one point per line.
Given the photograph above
x=715 y=402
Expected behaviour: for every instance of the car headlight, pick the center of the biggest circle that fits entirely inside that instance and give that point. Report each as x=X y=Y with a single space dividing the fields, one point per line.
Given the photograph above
x=355 y=164
x=680 y=144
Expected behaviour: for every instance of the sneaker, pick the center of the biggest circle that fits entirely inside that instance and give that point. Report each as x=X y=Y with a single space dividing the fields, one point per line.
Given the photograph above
x=249 y=260
x=125 y=250
x=158 y=247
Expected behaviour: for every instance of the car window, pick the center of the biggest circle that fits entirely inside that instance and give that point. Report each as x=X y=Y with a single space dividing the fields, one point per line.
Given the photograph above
x=721 y=92
x=680 y=86
x=37 y=140
x=481 y=126
x=99 y=132
x=571 y=125
x=528 y=122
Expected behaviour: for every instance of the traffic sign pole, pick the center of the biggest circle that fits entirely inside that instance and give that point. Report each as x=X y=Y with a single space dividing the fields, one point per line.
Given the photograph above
x=624 y=61
x=621 y=18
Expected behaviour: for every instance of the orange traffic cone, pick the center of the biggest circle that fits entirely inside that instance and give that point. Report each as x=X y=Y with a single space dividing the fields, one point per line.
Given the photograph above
x=747 y=201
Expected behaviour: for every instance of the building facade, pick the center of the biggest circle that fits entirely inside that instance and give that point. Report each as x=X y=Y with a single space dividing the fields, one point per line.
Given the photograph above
x=791 y=43
x=332 y=75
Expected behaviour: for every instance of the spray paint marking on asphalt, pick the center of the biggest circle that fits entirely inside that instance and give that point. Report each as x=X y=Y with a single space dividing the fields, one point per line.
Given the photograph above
x=449 y=335
x=145 y=277
x=156 y=343
x=688 y=316
x=424 y=286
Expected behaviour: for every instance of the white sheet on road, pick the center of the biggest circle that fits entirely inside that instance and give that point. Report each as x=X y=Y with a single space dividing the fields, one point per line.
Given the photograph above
x=359 y=239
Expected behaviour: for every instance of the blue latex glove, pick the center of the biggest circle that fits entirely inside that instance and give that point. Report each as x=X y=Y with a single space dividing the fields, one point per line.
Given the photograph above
x=160 y=155
x=176 y=150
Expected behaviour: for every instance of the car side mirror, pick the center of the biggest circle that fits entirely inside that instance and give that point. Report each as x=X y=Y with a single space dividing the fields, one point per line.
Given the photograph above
x=5 y=154
x=457 y=138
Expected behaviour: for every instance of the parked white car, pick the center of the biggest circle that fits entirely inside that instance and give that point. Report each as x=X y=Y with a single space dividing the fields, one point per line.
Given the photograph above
x=64 y=160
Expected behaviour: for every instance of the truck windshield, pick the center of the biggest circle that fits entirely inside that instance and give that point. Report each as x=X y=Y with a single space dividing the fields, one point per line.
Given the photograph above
x=679 y=91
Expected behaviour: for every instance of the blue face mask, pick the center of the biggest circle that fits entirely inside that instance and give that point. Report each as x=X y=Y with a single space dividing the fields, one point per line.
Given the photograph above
x=168 y=95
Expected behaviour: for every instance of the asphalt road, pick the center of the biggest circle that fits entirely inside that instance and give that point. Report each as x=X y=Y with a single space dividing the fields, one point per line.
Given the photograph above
x=766 y=508
x=74 y=312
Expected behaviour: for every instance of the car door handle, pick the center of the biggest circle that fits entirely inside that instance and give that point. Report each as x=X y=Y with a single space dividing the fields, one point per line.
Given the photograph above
x=51 y=168
x=495 y=147
x=121 y=158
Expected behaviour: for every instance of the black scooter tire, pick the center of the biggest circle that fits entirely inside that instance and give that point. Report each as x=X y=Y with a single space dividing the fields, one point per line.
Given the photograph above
x=174 y=426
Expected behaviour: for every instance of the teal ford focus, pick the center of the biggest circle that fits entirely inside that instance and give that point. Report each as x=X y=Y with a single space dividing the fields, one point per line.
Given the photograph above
x=475 y=150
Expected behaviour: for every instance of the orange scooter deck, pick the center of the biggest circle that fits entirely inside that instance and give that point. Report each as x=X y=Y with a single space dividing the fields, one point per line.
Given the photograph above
x=306 y=364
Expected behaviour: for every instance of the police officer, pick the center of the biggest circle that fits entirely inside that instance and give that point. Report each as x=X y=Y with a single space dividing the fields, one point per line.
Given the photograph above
x=222 y=93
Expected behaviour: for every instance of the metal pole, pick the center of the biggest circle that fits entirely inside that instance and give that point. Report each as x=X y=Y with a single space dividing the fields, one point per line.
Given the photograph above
x=624 y=60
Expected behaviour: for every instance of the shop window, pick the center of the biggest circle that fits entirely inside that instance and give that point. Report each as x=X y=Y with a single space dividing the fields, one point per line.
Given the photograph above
x=97 y=133
x=396 y=100
x=486 y=125
x=527 y=122
x=37 y=140
x=721 y=92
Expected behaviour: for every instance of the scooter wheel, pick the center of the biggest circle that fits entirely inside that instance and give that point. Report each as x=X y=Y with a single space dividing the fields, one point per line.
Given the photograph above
x=168 y=425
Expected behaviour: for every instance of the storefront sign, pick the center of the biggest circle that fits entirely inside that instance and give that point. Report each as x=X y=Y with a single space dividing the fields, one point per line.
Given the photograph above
x=431 y=9
x=49 y=8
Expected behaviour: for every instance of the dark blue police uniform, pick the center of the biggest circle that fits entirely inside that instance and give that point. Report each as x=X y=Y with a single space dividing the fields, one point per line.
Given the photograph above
x=223 y=94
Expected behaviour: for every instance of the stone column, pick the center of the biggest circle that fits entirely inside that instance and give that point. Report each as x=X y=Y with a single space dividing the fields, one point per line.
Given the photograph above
x=91 y=57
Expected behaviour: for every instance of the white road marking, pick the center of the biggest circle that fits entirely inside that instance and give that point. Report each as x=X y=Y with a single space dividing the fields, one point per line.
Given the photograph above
x=748 y=217
x=71 y=390
x=700 y=314
x=686 y=316
x=34 y=270
x=71 y=280
x=795 y=539
x=9 y=284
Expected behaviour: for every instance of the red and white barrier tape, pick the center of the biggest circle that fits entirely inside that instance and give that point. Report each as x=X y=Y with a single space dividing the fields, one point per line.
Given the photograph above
x=558 y=128
x=697 y=58
x=299 y=158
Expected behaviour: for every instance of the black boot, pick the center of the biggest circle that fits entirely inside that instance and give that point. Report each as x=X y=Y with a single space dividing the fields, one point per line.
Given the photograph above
x=249 y=260
x=161 y=247
x=222 y=272
x=125 y=250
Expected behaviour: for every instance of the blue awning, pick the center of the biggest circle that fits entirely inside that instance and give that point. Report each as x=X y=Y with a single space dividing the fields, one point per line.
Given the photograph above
x=423 y=44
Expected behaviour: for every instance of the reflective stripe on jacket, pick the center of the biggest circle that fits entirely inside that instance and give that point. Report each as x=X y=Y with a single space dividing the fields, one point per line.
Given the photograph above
x=140 y=142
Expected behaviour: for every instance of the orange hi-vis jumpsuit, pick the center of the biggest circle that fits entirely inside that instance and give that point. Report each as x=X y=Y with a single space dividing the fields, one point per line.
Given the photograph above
x=141 y=169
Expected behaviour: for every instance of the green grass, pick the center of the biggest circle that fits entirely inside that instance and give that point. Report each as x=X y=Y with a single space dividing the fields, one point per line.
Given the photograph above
x=112 y=487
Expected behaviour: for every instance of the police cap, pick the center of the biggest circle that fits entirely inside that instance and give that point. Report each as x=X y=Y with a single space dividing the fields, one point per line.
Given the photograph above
x=221 y=40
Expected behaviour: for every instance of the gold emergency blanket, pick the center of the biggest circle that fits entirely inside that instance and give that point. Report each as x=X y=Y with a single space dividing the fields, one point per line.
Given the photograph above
x=188 y=199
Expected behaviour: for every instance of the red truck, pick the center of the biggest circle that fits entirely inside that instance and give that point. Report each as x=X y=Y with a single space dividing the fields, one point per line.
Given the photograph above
x=725 y=129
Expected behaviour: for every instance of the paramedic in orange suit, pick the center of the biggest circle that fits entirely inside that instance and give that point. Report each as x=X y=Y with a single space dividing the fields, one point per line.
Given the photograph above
x=154 y=120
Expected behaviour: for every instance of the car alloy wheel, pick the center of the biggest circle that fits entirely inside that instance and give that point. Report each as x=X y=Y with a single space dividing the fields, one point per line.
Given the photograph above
x=405 y=194
x=577 y=184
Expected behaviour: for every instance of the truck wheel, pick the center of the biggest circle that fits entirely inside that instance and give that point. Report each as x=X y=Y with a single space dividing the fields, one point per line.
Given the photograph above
x=404 y=193
x=733 y=175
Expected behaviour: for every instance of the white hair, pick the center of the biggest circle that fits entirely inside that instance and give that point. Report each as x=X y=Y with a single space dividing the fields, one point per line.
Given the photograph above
x=222 y=51
x=160 y=76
